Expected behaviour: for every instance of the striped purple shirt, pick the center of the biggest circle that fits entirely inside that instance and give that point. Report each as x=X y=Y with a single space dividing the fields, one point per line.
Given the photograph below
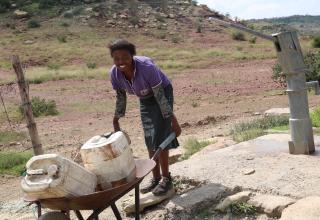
x=146 y=76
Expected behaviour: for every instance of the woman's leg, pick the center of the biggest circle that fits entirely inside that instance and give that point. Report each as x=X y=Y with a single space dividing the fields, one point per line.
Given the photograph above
x=164 y=163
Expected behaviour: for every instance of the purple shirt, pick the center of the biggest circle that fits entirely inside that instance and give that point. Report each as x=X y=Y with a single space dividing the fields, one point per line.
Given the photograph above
x=146 y=76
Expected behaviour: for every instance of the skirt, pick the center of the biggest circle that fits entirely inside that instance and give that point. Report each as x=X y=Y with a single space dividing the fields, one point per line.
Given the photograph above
x=156 y=128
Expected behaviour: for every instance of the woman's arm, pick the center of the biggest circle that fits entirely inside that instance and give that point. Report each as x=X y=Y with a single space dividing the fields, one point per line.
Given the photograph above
x=121 y=104
x=165 y=108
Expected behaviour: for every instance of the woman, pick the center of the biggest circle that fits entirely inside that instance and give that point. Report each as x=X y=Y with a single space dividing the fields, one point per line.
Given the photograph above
x=140 y=76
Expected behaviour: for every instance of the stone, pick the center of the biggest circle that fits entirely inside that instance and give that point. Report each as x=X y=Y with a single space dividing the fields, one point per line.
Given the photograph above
x=306 y=208
x=29 y=42
x=248 y=171
x=196 y=199
x=171 y=16
x=270 y=204
x=146 y=200
x=20 y=14
x=277 y=112
x=238 y=197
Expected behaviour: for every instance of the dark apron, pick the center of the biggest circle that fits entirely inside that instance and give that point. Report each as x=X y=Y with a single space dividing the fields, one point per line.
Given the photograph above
x=156 y=128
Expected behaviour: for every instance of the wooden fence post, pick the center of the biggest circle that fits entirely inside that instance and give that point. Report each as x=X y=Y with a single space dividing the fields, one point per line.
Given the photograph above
x=23 y=88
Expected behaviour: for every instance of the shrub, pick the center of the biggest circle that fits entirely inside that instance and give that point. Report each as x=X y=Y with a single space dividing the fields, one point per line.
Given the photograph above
x=64 y=24
x=45 y=4
x=312 y=61
x=33 y=24
x=4 y=5
x=175 y=39
x=192 y=146
x=41 y=107
x=134 y=20
x=253 y=39
x=159 y=17
x=316 y=42
x=194 y=2
x=68 y=14
x=238 y=36
x=62 y=38
x=91 y=65
x=239 y=208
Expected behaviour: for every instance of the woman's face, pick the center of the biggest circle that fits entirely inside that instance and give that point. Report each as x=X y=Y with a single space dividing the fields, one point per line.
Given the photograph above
x=123 y=60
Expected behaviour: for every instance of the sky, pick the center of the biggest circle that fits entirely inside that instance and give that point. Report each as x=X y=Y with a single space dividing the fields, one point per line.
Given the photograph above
x=248 y=9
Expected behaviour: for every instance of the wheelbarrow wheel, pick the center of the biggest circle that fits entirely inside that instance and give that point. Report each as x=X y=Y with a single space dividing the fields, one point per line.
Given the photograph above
x=54 y=216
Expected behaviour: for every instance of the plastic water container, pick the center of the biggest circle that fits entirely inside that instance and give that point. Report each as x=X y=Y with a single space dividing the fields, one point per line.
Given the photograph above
x=52 y=176
x=111 y=159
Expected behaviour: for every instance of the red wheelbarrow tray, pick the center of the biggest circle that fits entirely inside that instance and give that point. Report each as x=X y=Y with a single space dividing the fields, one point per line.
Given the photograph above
x=100 y=199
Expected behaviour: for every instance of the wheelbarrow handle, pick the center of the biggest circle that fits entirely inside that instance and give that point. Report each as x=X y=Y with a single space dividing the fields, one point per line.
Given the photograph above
x=164 y=144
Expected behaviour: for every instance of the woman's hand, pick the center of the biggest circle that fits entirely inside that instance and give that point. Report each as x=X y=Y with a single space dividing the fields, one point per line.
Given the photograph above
x=116 y=125
x=175 y=126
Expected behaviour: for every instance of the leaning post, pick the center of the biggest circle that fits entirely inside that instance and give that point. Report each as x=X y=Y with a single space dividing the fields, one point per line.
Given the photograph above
x=291 y=61
x=23 y=88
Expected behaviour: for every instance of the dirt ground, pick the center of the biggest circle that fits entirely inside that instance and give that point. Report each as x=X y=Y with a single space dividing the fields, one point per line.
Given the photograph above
x=207 y=103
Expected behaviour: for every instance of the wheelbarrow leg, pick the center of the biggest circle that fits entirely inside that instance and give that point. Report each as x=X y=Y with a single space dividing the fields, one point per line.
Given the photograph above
x=116 y=211
x=39 y=209
x=78 y=214
x=137 y=202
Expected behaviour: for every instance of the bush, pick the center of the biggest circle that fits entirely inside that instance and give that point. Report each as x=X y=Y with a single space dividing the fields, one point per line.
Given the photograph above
x=91 y=65
x=41 y=107
x=316 y=42
x=312 y=61
x=62 y=38
x=68 y=14
x=64 y=24
x=175 y=39
x=4 y=5
x=253 y=39
x=238 y=36
x=192 y=146
x=45 y=4
x=159 y=17
x=33 y=24
x=13 y=163
x=134 y=20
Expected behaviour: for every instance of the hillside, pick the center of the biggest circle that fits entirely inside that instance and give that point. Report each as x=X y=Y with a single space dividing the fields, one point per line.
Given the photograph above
x=304 y=24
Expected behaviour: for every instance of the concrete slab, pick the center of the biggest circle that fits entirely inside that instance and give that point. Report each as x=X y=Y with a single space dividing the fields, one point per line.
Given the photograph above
x=276 y=171
x=307 y=208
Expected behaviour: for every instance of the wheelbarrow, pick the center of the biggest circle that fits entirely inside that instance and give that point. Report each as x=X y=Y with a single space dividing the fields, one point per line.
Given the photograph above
x=100 y=200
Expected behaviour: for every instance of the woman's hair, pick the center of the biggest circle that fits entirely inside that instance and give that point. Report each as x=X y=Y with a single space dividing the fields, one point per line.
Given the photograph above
x=121 y=44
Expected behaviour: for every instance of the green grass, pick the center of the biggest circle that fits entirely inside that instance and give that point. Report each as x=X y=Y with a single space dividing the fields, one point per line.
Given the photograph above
x=240 y=208
x=249 y=130
x=13 y=163
x=315 y=117
x=192 y=146
x=11 y=136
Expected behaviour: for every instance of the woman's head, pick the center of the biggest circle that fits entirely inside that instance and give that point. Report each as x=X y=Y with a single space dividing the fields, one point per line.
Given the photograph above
x=122 y=53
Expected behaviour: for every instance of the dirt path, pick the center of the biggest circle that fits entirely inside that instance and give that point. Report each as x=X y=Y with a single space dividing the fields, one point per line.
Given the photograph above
x=207 y=103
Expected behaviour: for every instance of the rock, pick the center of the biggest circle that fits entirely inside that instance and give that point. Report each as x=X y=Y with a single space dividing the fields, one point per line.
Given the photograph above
x=306 y=208
x=248 y=171
x=146 y=200
x=239 y=197
x=270 y=204
x=171 y=16
x=20 y=14
x=196 y=199
x=12 y=143
x=29 y=42
x=88 y=10
x=277 y=112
